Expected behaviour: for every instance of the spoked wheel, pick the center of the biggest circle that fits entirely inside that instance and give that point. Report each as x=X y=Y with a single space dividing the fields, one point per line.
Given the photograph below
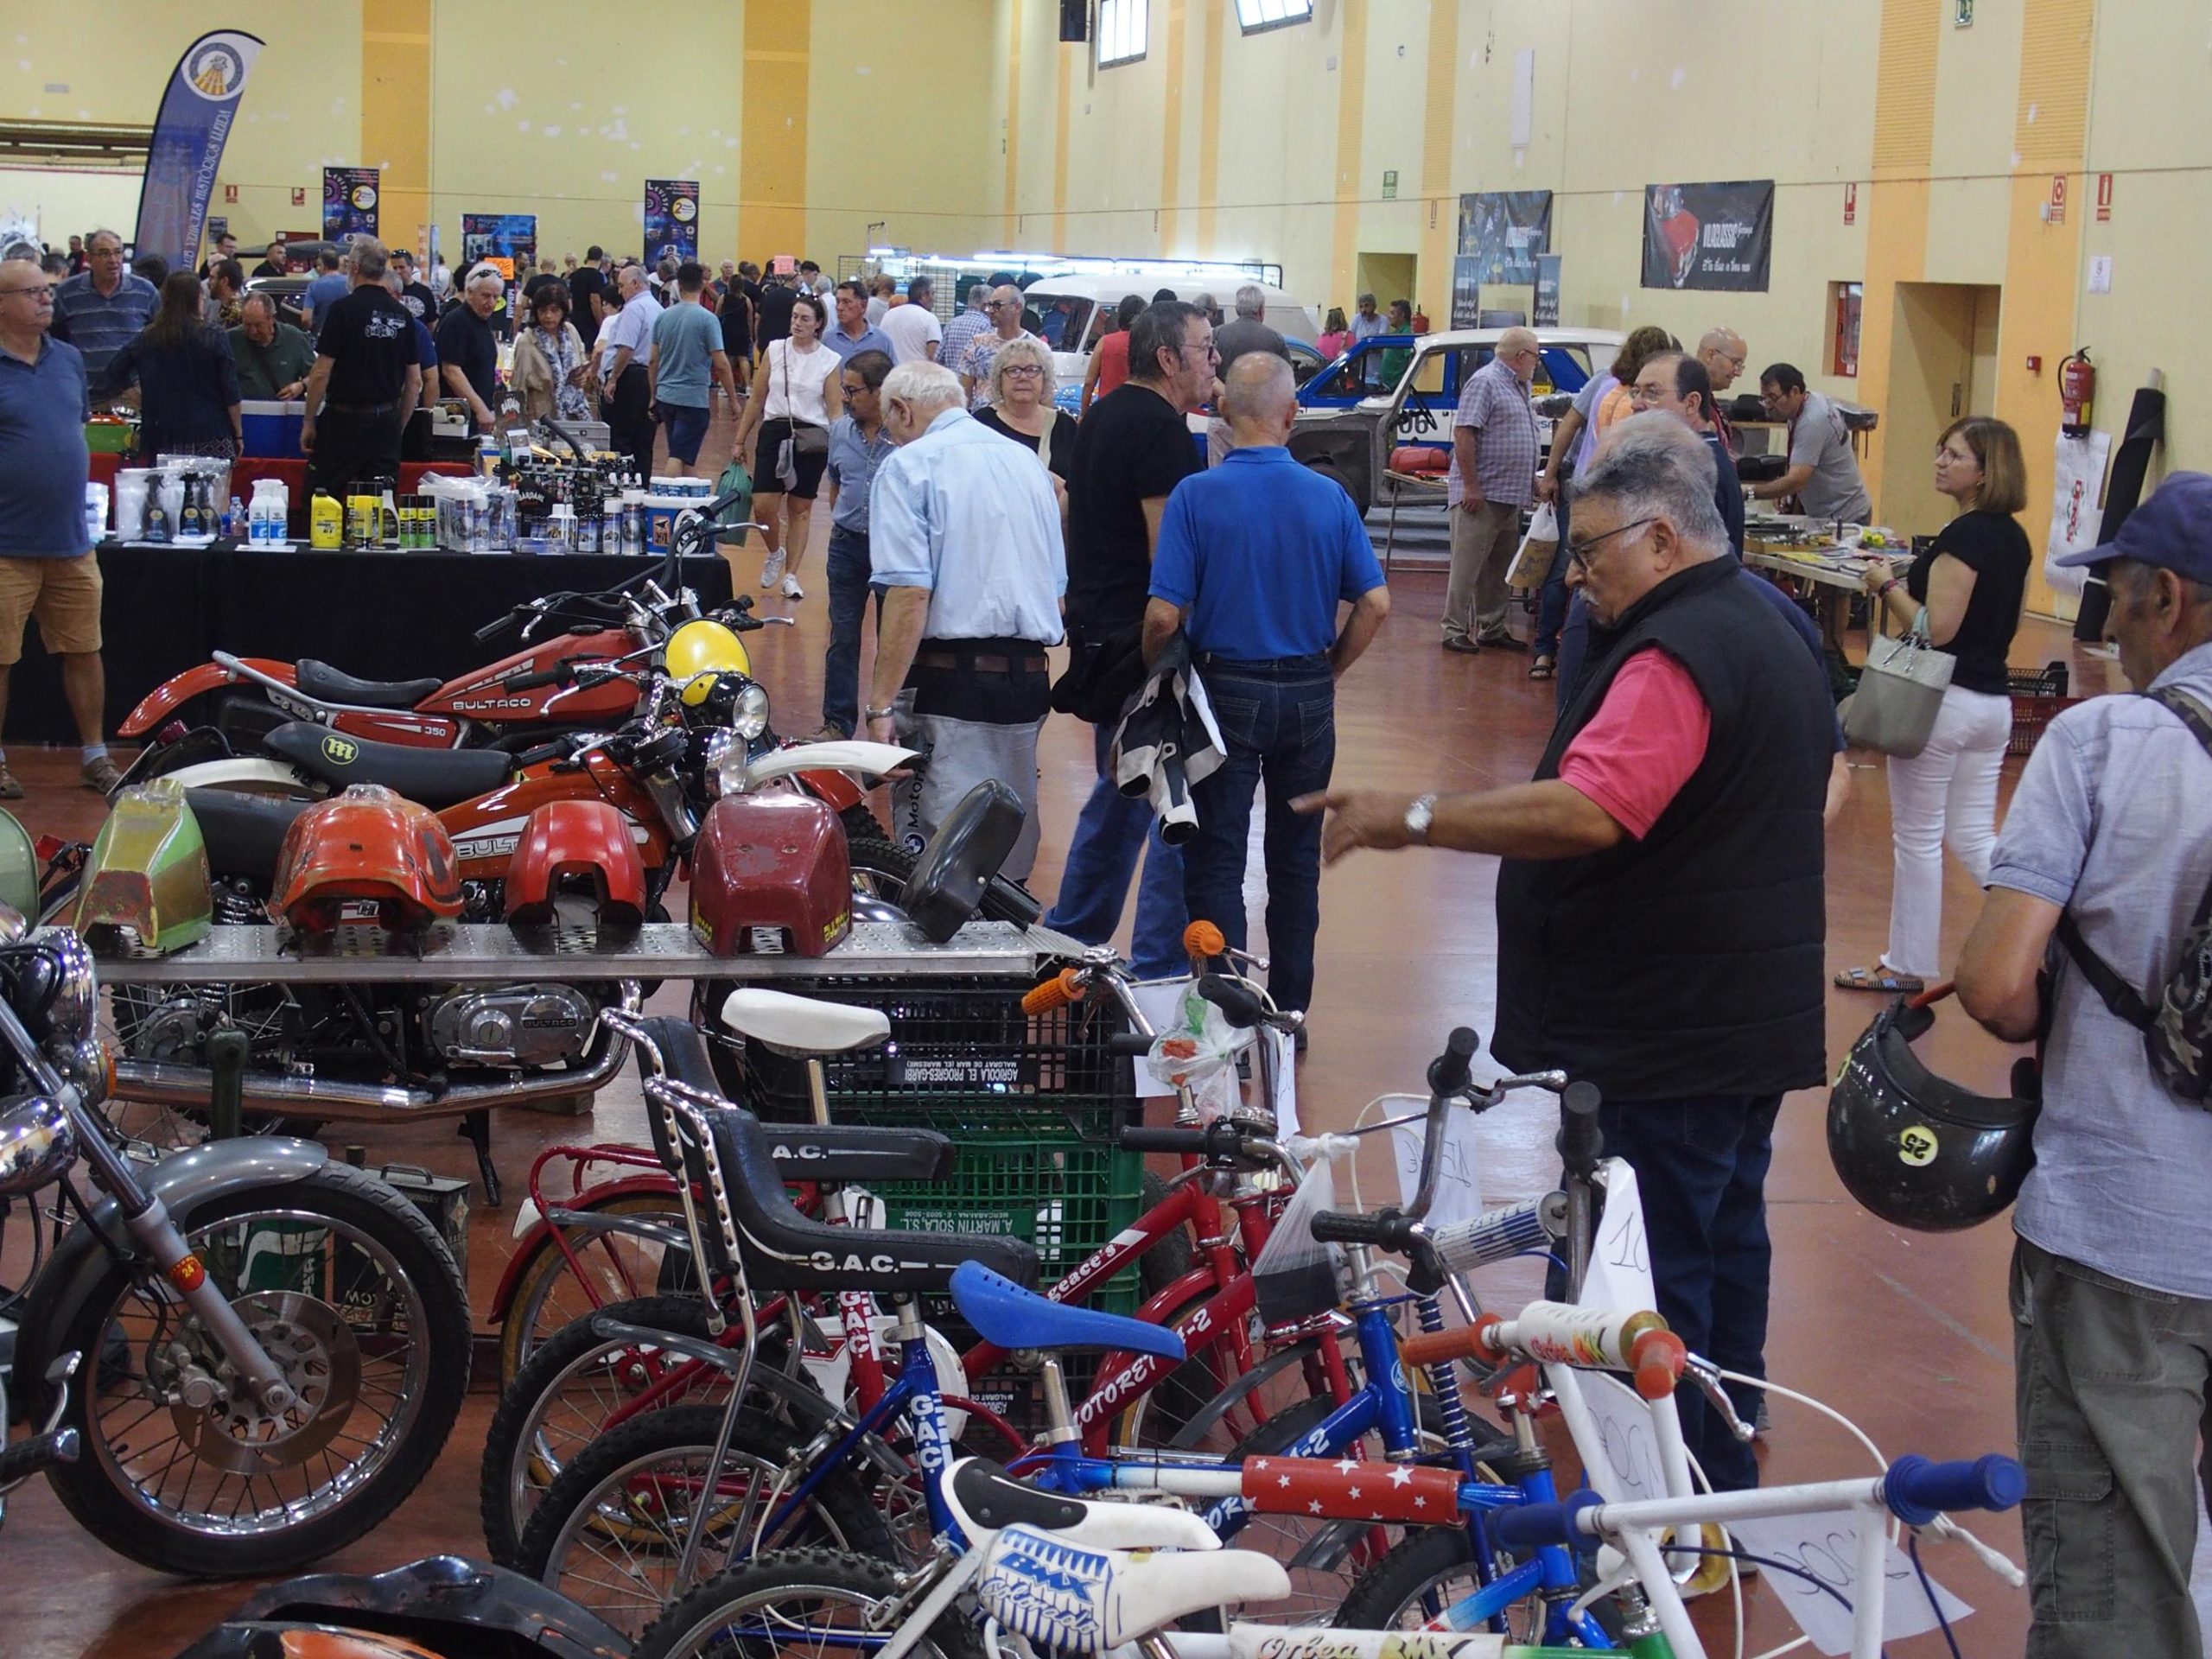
x=1431 y=1570
x=551 y=1293
x=350 y=1291
x=797 y=1603
x=610 y=1533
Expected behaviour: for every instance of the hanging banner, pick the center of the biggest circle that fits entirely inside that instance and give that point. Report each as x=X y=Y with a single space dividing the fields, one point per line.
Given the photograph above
x=1504 y=231
x=1466 y=295
x=349 y=202
x=671 y=219
x=200 y=103
x=1712 y=236
x=1546 y=314
x=499 y=239
x=2077 y=484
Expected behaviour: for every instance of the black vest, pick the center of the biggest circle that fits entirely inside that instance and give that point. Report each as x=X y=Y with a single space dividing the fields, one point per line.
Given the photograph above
x=1689 y=962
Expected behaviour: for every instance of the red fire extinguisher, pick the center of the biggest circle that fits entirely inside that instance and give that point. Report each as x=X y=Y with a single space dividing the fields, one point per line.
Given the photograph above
x=2077 y=390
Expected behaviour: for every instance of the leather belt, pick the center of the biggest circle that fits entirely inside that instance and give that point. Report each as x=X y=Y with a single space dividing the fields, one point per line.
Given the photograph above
x=988 y=663
x=369 y=410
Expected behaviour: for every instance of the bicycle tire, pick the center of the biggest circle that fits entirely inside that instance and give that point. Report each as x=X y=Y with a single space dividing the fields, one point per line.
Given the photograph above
x=526 y=1325
x=1404 y=1582
x=694 y=1626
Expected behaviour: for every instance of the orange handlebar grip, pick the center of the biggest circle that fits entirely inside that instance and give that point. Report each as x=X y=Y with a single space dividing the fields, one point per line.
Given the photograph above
x=1202 y=938
x=1442 y=1347
x=1057 y=992
x=1660 y=1357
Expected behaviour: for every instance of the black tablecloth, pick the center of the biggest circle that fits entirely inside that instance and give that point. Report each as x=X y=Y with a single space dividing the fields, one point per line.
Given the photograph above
x=380 y=615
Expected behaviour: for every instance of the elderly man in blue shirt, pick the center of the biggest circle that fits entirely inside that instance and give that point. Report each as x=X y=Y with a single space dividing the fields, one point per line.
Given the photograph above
x=1255 y=558
x=102 y=310
x=964 y=536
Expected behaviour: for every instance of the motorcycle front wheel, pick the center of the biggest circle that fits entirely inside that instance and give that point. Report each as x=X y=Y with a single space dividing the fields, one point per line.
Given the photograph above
x=352 y=1292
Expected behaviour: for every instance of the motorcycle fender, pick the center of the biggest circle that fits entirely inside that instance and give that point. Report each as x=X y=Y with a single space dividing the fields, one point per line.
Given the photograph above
x=182 y=1183
x=575 y=838
x=871 y=760
x=178 y=690
x=529 y=1232
x=266 y=776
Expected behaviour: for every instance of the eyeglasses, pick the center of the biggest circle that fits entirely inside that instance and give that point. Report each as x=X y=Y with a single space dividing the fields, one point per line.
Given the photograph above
x=1022 y=370
x=1577 y=553
x=43 y=291
x=1643 y=394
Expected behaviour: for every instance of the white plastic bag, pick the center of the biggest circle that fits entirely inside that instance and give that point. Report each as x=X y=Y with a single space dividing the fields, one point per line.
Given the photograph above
x=1199 y=1048
x=1532 y=560
x=1295 y=1277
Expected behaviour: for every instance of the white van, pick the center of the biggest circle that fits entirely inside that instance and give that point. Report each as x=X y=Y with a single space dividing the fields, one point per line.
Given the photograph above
x=1077 y=310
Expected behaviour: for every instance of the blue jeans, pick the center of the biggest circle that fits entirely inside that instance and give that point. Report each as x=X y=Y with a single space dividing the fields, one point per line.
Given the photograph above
x=848 y=591
x=1701 y=1168
x=1279 y=722
x=1551 y=602
x=1112 y=829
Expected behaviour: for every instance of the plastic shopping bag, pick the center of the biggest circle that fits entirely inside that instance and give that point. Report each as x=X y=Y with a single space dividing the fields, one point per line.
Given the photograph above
x=1295 y=1277
x=1532 y=560
x=1198 y=1048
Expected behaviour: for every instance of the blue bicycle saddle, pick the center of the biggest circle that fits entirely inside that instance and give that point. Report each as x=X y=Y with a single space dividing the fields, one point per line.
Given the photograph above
x=1004 y=1313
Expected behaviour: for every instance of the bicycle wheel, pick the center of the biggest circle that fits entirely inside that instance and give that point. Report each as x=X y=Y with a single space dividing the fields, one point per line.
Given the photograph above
x=619 y=1267
x=1428 y=1570
x=796 y=1604
x=610 y=1533
x=1153 y=1418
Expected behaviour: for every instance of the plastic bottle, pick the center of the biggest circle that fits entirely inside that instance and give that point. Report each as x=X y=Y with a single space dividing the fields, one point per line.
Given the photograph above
x=157 y=519
x=326 y=521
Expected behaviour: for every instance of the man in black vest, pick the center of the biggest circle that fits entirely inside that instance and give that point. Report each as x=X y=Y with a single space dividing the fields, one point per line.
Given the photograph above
x=1660 y=908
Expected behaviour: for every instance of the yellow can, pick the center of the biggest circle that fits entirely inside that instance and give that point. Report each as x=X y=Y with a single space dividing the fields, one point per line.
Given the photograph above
x=325 y=522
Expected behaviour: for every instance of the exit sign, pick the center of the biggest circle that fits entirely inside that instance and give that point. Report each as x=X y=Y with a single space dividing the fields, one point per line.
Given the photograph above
x=1390 y=186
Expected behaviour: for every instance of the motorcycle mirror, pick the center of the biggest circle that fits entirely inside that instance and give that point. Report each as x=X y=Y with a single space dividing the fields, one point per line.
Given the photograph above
x=13 y=928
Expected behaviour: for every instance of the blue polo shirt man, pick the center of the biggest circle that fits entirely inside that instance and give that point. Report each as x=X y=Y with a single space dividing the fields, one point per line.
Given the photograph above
x=1255 y=559
x=102 y=309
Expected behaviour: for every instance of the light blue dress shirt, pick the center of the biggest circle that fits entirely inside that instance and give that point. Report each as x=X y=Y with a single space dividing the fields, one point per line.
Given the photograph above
x=973 y=519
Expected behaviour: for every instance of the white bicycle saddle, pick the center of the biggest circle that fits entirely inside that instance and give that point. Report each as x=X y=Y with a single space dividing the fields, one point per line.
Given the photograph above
x=1079 y=1600
x=803 y=1024
x=984 y=1499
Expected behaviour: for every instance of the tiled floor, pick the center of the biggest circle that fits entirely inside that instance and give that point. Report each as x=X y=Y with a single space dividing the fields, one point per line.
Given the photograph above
x=1906 y=1333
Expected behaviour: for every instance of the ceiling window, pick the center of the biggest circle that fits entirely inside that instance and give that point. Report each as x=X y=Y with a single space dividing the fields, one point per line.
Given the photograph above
x=1256 y=15
x=1121 y=28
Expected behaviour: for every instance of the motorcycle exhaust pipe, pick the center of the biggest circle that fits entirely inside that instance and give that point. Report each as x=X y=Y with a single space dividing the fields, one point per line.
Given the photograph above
x=160 y=1083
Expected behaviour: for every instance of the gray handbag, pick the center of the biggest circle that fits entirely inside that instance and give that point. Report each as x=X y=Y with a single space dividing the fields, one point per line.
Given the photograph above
x=1899 y=691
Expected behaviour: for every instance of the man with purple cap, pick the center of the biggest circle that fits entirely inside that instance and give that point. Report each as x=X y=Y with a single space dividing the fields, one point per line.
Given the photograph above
x=2111 y=831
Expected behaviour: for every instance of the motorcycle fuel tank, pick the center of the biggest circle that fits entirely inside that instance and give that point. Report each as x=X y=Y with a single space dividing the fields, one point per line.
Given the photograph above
x=366 y=855
x=769 y=873
x=146 y=877
x=571 y=844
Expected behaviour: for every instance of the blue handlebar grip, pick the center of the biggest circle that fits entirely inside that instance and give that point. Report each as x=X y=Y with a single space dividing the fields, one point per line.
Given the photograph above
x=1918 y=1491
x=1524 y=1527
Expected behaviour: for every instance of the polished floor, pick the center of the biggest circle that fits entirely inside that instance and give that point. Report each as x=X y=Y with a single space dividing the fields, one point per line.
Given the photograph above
x=1905 y=1333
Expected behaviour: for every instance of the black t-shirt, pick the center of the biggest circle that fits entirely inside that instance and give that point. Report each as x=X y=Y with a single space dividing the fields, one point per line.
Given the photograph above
x=1132 y=445
x=266 y=269
x=1994 y=547
x=1062 y=464
x=1233 y=340
x=370 y=341
x=420 y=303
x=771 y=321
x=465 y=341
x=588 y=280
x=737 y=322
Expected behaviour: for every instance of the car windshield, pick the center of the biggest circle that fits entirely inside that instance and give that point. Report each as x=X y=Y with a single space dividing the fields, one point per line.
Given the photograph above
x=1067 y=319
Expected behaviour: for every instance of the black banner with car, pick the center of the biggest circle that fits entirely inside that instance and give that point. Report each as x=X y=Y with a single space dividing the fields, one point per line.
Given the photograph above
x=1709 y=236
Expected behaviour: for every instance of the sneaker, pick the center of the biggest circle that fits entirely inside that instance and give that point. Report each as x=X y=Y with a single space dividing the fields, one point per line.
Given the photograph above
x=1501 y=640
x=100 y=775
x=792 y=589
x=9 y=789
x=1461 y=643
x=772 y=571
x=827 y=732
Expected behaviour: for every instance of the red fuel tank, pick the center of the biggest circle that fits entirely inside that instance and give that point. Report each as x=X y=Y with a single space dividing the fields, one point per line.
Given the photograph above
x=366 y=855
x=774 y=860
x=585 y=842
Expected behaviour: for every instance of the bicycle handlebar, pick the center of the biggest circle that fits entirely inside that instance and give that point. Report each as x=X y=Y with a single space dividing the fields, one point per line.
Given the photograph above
x=1918 y=1491
x=1064 y=987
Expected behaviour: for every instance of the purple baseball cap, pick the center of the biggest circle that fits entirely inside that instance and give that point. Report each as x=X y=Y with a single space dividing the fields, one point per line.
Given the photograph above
x=2172 y=530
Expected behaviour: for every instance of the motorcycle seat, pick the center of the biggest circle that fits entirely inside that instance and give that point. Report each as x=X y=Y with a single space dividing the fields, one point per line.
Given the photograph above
x=242 y=833
x=802 y=1025
x=806 y=1152
x=327 y=685
x=437 y=779
x=779 y=1249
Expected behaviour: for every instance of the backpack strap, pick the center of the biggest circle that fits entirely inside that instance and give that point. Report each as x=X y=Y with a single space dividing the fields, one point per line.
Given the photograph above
x=2121 y=998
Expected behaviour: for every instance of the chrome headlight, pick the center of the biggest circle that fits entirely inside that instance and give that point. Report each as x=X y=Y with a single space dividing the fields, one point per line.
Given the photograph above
x=76 y=1002
x=85 y=1065
x=750 y=716
x=37 y=1143
x=725 y=763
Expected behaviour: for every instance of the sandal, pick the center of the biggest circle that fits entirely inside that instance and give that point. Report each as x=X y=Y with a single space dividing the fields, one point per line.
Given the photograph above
x=1541 y=668
x=1889 y=983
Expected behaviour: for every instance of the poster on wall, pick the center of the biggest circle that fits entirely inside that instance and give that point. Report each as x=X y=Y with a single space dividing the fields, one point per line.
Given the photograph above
x=1714 y=236
x=1466 y=295
x=671 y=219
x=1503 y=232
x=349 y=202
x=1546 y=314
x=186 y=148
x=497 y=240
x=2076 y=508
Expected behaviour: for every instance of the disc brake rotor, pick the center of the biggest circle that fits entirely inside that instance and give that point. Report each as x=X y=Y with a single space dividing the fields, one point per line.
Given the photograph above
x=316 y=1350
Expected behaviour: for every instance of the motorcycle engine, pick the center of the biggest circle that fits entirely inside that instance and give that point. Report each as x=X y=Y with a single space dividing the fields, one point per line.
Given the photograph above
x=513 y=1025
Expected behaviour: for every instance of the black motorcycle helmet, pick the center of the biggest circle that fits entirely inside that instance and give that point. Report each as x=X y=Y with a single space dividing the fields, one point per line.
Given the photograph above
x=1919 y=1151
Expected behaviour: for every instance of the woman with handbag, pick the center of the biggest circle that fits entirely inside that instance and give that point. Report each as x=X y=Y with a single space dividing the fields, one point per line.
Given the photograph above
x=1963 y=595
x=547 y=375
x=783 y=439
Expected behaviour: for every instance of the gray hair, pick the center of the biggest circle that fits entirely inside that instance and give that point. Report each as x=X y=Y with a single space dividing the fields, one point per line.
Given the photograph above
x=370 y=259
x=483 y=273
x=103 y=231
x=1651 y=466
x=1252 y=300
x=262 y=299
x=923 y=387
x=1022 y=348
x=978 y=293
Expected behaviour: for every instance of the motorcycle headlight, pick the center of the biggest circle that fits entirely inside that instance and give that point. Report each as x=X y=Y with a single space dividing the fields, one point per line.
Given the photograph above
x=74 y=1005
x=37 y=1143
x=749 y=718
x=86 y=1064
x=724 y=763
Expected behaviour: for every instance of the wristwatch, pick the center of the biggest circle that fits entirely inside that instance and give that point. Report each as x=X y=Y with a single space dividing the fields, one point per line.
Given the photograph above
x=883 y=714
x=1418 y=818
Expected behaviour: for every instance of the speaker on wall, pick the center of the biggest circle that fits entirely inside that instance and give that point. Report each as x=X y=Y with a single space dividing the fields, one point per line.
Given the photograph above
x=1074 y=20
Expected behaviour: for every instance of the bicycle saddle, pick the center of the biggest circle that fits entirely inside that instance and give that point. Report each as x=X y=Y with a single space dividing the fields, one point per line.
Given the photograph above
x=804 y=1152
x=327 y=685
x=802 y=1025
x=985 y=1499
x=1013 y=1315
x=437 y=779
x=1080 y=1600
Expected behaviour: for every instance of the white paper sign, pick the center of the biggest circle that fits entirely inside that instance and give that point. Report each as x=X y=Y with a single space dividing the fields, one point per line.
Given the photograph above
x=1459 y=1183
x=2076 y=518
x=1285 y=1055
x=1827 y=1546
x=1623 y=1467
x=1620 y=1257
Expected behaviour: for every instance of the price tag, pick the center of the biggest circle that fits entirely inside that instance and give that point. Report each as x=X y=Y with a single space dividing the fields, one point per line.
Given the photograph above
x=1827 y=1546
x=1459 y=1185
x=1620 y=1257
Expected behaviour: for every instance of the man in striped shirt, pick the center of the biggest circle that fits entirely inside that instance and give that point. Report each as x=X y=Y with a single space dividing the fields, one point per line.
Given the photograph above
x=960 y=333
x=102 y=310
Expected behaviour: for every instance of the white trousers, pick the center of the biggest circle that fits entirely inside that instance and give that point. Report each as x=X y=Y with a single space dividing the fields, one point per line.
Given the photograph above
x=1944 y=796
